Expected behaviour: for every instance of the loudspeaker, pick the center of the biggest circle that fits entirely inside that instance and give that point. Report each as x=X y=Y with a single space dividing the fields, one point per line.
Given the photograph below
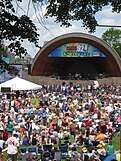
x=5 y=89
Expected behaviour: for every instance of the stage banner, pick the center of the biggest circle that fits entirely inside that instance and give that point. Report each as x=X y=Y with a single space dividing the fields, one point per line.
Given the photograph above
x=76 y=50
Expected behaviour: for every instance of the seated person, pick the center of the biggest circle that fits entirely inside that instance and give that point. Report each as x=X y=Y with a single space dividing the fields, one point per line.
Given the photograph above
x=25 y=141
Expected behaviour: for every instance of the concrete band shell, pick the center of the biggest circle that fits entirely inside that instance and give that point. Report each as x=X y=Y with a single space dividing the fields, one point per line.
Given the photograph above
x=41 y=64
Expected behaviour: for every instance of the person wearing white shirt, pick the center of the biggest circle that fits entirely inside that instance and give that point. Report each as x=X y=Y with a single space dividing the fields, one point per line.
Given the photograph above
x=12 y=147
x=109 y=109
x=2 y=143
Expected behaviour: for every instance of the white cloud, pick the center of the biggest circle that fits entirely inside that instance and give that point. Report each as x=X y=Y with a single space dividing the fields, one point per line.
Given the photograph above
x=107 y=12
x=107 y=17
x=55 y=30
x=108 y=21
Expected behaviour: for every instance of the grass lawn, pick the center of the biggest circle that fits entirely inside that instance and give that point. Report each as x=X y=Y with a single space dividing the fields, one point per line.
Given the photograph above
x=35 y=102
x=116 y=141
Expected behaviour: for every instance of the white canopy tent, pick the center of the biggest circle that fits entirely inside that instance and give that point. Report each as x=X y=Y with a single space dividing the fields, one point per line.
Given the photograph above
x=20 y=84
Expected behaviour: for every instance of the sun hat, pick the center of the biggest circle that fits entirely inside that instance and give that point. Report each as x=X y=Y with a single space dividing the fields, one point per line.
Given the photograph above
x=84 y=149
x=99 y=146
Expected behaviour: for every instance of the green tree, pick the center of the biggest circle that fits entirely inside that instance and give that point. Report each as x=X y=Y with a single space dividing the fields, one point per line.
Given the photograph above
x=16 y=28
x=66 y=11
x=117 y=47
x=113 y=38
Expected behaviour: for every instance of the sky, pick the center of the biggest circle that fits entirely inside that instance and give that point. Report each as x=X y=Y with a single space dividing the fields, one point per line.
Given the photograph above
x=48 y=29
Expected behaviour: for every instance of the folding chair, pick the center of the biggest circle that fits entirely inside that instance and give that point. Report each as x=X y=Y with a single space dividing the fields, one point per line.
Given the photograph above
x=63 y=148
x=57 y=155
x=39 y=152
x=23 y=154
x=23 y=150
x=32 y=150
x=47 y=147
x=46 y=154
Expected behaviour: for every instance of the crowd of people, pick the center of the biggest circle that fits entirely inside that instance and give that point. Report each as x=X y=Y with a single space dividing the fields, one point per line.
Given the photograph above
x=82 y=118
x=80 y=76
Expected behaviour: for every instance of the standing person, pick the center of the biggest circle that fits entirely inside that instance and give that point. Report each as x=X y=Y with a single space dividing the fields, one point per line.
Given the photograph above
x=5 y=134
x=110 y=149
x=2 y=142
x=9 y=125
x=13 y=146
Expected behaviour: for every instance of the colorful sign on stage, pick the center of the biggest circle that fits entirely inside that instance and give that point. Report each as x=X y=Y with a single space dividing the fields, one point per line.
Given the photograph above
x=76 y=50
